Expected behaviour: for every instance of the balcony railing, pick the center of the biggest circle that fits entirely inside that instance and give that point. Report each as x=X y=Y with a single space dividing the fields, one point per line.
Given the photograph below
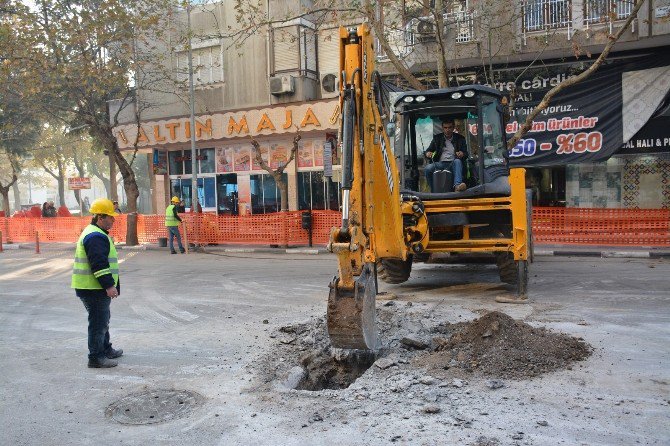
x=605 y=11
x=540 y=15
x=463 y=23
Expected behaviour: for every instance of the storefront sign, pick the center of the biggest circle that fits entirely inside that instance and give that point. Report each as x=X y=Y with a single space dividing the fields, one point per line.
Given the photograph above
x=78 y=183
x=590 y=121
x=266 y=121
x=653 y=138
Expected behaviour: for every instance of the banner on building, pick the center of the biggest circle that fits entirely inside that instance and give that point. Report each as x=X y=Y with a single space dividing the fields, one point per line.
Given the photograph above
x=590 y=121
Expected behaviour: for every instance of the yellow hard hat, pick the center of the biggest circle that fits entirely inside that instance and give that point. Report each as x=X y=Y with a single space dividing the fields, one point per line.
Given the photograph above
x=103 y=206
x=175 y=200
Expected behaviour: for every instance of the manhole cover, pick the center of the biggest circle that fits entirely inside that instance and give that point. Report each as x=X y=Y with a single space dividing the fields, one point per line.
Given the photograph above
x=153 y=406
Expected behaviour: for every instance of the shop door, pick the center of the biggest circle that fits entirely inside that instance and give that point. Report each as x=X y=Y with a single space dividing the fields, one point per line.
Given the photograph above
x=226 y=193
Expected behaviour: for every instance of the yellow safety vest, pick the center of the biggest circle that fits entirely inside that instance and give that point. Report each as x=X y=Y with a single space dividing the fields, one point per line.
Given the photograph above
x=82 y=276
x=170 y=219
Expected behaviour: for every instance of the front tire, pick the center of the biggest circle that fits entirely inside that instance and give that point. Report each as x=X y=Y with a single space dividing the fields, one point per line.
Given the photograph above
x=394 y=270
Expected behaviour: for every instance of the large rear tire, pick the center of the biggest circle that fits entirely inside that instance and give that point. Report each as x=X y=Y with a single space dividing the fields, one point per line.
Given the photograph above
x=394 y=270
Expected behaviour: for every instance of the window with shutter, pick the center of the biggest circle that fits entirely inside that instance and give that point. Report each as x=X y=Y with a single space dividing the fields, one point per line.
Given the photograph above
x=308 y=52
x=217 y=65
x=329 y=51
x=207 y=65
x=286 y=49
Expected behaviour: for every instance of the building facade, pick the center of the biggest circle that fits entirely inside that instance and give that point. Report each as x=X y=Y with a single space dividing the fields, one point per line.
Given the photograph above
x=269 y=84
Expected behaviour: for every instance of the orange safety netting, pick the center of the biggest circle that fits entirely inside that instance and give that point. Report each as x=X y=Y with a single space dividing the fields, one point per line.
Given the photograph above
x=264 y=229
x=580 y=226
x=613 y=227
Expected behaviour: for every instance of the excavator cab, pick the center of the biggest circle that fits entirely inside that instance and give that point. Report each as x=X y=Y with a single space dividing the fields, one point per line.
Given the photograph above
x=419 y=118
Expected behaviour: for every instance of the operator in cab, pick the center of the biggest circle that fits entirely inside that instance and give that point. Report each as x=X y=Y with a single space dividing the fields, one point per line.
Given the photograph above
x=447 y=151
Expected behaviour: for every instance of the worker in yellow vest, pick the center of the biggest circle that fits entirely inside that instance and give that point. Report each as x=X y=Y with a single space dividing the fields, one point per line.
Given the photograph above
x=172 y=221
x=95 y=279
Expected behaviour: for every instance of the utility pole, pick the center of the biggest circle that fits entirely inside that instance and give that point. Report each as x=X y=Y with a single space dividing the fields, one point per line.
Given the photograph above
x=194 y=164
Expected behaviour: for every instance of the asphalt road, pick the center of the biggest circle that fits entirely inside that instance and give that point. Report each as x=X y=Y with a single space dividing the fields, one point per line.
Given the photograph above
x=196 y=322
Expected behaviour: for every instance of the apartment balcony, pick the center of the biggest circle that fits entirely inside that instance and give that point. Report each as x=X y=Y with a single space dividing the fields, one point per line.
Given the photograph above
x=545 y=16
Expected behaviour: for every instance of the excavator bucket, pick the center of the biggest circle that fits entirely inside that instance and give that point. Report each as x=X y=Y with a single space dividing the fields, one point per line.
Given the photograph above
x=351 y=313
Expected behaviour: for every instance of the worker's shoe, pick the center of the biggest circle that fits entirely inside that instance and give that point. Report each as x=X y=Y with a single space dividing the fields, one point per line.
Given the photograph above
x=173 y=252
x=182 y=251
x=512 y=299
x=460 y=187
x=104 y=363
x=112 y=353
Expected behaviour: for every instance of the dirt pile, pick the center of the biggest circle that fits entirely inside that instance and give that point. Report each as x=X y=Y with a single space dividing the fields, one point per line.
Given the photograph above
x=492 y=346
x=499 y=346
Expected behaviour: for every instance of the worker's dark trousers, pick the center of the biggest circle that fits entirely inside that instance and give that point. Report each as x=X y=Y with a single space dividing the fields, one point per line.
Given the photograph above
x=98 y=325
x=174 y=232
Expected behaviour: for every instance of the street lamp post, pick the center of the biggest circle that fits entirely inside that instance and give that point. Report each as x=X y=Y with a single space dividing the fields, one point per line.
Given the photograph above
x=194 y=171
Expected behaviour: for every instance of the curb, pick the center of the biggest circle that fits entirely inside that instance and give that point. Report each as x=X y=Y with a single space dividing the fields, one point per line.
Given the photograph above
x=539 y=252
x=604 y=254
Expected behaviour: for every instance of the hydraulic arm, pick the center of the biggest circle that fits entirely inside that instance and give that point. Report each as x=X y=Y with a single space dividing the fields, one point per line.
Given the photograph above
x=371 y=216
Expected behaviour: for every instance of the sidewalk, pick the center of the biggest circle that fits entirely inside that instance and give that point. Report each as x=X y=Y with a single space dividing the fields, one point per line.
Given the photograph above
x=601 y=251
x=540 y=250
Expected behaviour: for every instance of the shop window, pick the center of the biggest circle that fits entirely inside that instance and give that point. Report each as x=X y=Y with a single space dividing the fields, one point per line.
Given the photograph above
x=180 y=161
x=265 y=197
x=207 y=192
x=317 y=192
x=181 y=187
x=227 y=194
x=176 y=164
x=206 y=159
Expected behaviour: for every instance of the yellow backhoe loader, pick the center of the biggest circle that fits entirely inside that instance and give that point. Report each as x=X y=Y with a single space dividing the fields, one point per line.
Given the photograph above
x=389 y=217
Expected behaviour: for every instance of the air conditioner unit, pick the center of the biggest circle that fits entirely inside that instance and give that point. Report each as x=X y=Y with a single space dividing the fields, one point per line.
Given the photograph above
x=282 y=84
x=424 y=30
x=330 y=85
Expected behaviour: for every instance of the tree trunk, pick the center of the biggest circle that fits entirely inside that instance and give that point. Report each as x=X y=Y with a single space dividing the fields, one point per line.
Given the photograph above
x=283 y=191
x=442 y=69
x=112 y=191
x=129 y=182
x=17 y=196
x=5 y=200
x=61 y=188
x=4 y=190
x=283 y=194
x=77 y=196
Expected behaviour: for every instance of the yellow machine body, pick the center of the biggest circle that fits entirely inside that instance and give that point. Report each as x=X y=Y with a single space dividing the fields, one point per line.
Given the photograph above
x=383 y=227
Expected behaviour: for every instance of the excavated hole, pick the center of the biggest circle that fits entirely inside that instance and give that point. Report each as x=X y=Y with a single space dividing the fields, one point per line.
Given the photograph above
x=334 y=370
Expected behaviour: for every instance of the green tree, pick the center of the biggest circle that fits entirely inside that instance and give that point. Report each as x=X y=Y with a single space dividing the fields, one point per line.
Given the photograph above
x=18 y=124
x=83 y=55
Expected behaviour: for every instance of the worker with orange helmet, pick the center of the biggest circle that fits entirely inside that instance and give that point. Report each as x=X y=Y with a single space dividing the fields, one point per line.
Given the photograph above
x=95 y=279
x=172 y=221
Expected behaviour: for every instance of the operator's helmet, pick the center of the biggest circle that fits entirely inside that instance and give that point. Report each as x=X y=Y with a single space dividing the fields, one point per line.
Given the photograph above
x=103 y=206
x=175 y=200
